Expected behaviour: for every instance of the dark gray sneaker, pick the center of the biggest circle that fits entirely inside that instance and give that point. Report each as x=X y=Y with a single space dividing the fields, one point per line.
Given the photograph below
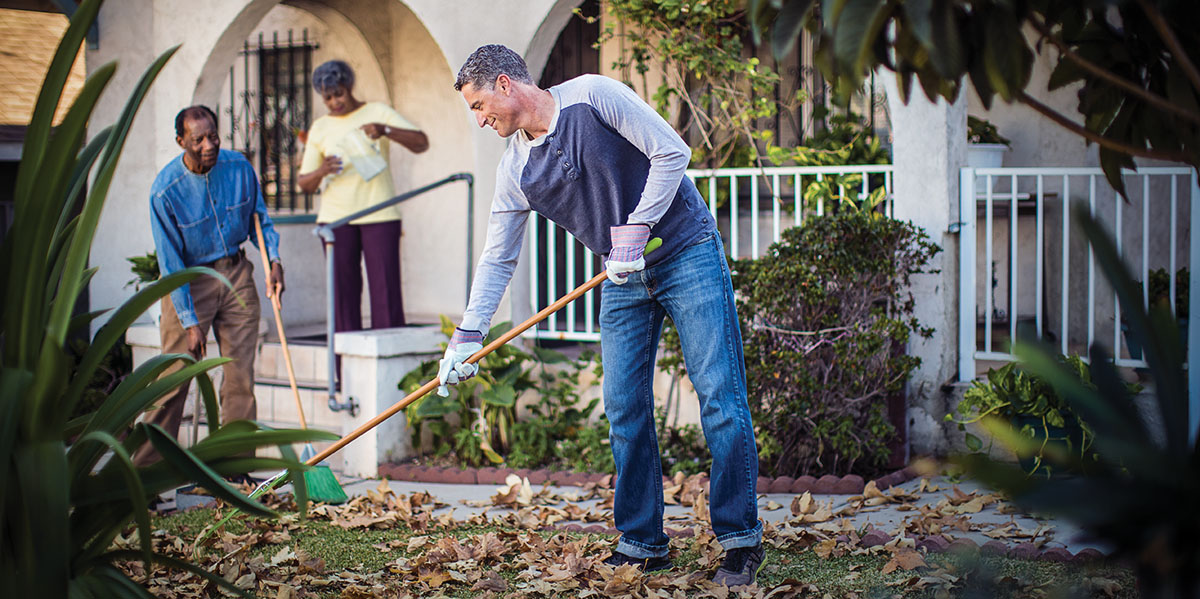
x=740 y=566
x=645 y=564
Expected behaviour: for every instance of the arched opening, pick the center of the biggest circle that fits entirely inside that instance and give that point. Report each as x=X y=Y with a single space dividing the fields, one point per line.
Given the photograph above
x=258 y=74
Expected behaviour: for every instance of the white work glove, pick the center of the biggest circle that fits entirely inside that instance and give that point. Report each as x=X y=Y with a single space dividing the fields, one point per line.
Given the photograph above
x=453 y=369
x=628 y=248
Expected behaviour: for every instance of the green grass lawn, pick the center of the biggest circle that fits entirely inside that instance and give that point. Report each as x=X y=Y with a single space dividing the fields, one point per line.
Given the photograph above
x=334 y=561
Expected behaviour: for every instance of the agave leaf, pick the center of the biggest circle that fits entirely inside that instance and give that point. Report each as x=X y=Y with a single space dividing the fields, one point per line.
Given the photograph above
x=229 y=443
x=1163 y=357
x=114 y=329
x=83 y=166
x=787 y=26
x=146 y=373
x=79 y=321
x=42 y=482
x=13 y=384
x=1101 y=415
x=35 y=230
x=193 y=469
x=208 y=395
x=108 y=581
x=117 y=414
x=133 y=484
x=296 y=477
x=82 y=242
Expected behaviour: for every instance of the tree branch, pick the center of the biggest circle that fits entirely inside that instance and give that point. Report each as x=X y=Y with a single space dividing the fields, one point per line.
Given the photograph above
x=1096 y=138
x=1151 y=98
x=1172 y=42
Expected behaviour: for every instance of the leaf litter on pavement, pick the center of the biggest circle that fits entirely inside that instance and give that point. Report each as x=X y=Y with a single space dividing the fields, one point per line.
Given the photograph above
x=513 y=550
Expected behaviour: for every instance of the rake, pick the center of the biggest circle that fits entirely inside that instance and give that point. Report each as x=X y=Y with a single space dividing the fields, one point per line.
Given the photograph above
x=424 y=390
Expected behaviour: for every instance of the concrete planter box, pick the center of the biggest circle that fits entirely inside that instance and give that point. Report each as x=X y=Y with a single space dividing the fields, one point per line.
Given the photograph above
x=986 y=155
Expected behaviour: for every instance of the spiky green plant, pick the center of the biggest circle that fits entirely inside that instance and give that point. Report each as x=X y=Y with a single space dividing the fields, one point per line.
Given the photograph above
x=1139 y=495
x=69 y=486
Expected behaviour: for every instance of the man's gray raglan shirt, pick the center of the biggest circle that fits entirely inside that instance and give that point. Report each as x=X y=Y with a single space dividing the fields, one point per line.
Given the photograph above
x=607 y=159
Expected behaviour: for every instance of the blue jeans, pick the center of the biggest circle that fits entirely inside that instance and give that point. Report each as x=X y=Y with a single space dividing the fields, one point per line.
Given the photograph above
x=694 y=289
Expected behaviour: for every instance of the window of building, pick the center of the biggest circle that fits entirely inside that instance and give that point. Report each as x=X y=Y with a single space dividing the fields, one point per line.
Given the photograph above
x=268 y=113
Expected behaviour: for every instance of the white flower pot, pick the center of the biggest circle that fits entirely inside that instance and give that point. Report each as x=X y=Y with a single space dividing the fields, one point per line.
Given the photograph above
x=986 y=155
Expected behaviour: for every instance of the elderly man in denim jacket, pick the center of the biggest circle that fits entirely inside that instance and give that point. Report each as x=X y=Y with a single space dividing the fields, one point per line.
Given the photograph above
x=202 y=208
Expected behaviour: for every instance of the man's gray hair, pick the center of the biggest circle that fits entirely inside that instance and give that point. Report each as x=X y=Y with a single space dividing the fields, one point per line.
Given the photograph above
x=489 y=62
x=331 y=75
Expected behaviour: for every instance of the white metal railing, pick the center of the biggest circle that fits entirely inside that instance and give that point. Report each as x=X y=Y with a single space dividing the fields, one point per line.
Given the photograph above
x=1037 y=270
x=752 y=207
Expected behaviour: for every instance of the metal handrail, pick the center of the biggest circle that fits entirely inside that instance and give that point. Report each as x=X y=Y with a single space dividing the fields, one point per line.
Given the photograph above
x=325 y=232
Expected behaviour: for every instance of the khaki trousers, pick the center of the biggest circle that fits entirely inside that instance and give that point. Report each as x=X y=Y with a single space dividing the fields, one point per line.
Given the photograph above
x=236 y=328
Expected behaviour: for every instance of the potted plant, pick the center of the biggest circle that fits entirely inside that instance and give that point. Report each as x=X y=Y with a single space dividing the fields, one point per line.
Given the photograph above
x=1033 y=407
x=1159 y=294
x=145 y=271
x=985 y=145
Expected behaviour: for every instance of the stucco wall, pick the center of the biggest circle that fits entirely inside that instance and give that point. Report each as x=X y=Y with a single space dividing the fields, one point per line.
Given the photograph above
x=416 y=47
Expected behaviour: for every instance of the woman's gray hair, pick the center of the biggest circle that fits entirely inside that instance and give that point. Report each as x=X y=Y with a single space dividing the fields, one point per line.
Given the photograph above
x=487 y=63
x=332 y=75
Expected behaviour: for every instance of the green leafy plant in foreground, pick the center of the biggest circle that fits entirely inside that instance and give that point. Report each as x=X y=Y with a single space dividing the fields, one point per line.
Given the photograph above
x=1034 y=407
x=70 y=486
x=1140 y=493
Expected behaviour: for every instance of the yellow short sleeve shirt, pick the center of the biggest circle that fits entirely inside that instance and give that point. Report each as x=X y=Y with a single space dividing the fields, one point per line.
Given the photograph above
x=346 y=192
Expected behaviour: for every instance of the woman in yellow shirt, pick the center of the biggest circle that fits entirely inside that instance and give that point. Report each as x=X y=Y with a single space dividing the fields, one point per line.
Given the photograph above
x=345 y=149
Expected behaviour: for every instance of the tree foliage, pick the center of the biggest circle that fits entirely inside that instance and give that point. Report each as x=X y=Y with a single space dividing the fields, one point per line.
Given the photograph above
x=699 y=47
x=1135 y=60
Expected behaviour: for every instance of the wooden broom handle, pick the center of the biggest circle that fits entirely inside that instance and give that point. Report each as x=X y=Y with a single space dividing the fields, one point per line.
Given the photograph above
x=287 y=354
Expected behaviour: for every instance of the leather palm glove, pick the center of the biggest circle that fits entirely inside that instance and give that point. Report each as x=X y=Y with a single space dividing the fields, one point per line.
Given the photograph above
x=628 y=247
x=453 y=368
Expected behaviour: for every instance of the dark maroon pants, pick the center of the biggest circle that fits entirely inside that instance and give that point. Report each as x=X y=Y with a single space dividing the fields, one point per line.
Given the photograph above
x=379 y=245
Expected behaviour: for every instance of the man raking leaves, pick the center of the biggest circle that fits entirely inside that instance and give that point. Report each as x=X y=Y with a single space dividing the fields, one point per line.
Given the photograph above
x=590 y=155
x=424 y=390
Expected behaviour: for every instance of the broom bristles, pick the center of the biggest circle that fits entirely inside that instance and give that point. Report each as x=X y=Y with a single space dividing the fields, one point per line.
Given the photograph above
x=320 y=481
x=323 y=486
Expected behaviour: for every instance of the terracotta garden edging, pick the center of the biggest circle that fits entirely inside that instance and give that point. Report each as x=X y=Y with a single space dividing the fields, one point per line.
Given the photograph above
x=851 y=484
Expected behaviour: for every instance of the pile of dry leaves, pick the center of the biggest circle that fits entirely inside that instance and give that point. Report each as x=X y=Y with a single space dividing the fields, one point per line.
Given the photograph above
x=522 y=555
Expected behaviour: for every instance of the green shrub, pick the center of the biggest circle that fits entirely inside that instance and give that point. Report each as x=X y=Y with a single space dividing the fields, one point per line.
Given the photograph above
x=826 y=314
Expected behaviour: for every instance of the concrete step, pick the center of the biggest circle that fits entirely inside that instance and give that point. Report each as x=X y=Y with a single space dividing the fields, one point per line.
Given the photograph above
x=310 y=363
x=276 y=403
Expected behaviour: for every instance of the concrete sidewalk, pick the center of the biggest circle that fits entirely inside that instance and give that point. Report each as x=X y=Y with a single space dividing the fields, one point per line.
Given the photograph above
x=1020 y=534
x=996 y=527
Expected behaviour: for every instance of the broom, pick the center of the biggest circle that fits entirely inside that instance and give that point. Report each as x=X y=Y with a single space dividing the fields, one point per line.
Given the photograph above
x=320 y=481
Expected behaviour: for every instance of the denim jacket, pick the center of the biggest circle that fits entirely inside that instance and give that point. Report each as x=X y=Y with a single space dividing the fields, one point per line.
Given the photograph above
x=197 y=219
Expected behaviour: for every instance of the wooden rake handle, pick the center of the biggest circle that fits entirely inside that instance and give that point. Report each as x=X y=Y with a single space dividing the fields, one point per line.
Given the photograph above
x=477 y=356
x=287 y=354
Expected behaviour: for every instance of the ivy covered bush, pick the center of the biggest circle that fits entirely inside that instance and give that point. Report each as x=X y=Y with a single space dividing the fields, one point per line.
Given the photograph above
x=826 y=314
